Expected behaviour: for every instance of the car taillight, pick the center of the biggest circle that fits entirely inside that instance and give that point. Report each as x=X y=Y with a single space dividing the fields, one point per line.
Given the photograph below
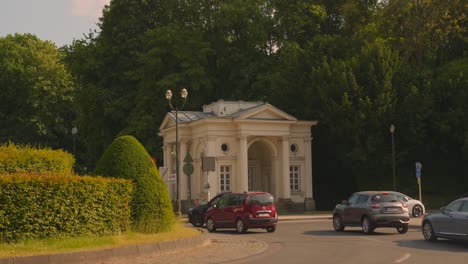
x=375 y=206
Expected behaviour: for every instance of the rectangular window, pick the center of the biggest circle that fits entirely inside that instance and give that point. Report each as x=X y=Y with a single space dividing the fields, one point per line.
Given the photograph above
x=294 y=178
x=225 y=178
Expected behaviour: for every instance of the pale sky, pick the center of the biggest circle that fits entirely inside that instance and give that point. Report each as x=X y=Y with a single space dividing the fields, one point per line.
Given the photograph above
x=59 y=21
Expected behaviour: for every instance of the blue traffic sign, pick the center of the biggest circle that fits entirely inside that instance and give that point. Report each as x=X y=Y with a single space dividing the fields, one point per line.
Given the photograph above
x=418 y=169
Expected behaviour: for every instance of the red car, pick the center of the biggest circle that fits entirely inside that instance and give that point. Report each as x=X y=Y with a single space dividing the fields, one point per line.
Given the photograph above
x=243 y=211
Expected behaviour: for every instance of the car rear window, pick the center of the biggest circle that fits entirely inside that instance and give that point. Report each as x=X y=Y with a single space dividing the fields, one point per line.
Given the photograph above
x=384 y=198
x=261 y=199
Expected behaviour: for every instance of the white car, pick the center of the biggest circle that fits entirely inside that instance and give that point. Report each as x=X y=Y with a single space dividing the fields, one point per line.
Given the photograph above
x=415 y=207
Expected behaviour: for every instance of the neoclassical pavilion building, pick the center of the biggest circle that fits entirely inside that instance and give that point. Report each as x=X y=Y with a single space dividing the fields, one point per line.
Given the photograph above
x=239 y=146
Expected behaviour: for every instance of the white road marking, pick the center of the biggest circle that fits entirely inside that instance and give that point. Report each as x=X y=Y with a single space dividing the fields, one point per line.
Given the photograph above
x=404 y=258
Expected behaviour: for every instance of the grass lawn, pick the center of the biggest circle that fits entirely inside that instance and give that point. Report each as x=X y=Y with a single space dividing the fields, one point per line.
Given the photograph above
x=50 y=246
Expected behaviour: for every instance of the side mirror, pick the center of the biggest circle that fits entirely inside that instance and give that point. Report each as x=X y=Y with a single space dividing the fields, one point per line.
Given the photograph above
x=344 y=202
x=406 y=199
x=442 y=209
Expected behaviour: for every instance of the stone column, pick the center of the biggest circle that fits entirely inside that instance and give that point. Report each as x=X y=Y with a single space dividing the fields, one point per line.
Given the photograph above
x=182 y=177
x=309 y=202
x=168 y=159
x=284 y=177
x=275 y=179
x=211 y=176
x=242 y=173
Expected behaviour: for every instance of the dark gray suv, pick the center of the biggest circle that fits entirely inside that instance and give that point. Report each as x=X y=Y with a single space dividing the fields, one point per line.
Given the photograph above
x=371 y=209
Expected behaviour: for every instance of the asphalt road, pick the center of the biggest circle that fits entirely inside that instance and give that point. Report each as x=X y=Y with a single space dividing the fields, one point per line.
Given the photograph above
x=315 y=241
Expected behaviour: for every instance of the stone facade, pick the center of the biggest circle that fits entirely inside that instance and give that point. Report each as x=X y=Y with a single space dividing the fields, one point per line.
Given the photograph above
x=254 y=145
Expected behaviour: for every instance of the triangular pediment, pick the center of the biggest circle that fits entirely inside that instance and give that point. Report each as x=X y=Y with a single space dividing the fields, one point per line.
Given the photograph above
x=266 y=112
x=167 y=122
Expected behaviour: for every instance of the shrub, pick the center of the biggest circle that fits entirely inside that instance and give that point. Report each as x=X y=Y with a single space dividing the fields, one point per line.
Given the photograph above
x=151 y=205
x=51 y=205
x=14 y=159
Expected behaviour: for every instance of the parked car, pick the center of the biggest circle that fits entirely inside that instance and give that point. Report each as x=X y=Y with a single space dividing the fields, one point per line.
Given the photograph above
x=415 y=207
x=451 y=222
x=370 y=210
x=243 y=211
x=196 y=215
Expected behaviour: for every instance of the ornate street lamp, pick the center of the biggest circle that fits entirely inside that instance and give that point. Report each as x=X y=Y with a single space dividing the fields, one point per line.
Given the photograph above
x=392 y=131
x=183 y=94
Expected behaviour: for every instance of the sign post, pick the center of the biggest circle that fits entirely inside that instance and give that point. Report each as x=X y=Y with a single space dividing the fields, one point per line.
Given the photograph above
x=418 y=176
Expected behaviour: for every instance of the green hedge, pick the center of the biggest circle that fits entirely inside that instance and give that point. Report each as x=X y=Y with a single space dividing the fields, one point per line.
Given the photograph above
x=42 y=206
x=14 y=159
x=126 y=158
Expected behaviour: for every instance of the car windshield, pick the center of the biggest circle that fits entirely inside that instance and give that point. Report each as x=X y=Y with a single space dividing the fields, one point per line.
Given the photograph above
x=261 y=199
x=384 y=198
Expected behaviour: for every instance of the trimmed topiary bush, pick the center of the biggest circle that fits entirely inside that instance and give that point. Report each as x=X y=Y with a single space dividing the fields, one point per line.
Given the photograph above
x=17 y=159
x=126 y=158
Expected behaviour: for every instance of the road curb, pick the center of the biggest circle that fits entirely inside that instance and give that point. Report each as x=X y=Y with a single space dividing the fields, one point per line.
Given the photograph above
x=107 y=255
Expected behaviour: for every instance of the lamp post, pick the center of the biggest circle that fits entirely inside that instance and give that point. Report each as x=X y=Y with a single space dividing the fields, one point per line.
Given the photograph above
x=183 y=94
x=74 y=131
x=392 y=131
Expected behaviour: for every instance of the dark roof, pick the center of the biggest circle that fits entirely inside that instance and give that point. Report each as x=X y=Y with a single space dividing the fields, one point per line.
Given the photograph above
x=242 y=111
x=190 y=116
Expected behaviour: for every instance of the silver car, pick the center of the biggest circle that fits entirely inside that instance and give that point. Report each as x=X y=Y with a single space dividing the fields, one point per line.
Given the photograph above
x=371 y=210
x=451 y=222
x=415 y=207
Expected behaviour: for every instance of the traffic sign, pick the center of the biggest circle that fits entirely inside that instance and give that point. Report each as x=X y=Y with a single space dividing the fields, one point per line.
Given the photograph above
x=418 y=169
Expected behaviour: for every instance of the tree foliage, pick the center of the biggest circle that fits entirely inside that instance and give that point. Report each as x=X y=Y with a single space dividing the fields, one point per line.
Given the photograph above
x=151 y=205
x=357 y=66
x=36 y=91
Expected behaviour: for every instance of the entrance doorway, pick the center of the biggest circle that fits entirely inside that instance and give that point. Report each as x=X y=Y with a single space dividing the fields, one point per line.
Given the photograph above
x=260 y=167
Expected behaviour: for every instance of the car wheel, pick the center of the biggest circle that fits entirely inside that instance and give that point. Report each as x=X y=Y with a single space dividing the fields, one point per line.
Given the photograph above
x=338 y=223
x=240 y=226
x=417 y=211
x=402 y=229
x=271 y=229
x=428 y=232
x=197 y=220
x=366 y=225
x=210 y=225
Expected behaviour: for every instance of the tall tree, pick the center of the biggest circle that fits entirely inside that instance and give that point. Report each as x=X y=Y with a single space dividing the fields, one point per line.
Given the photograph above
x=37 y=92
x=217 y=49
x=357 y=103
x=103 y=63
x=355 y=65
x=427 y=32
